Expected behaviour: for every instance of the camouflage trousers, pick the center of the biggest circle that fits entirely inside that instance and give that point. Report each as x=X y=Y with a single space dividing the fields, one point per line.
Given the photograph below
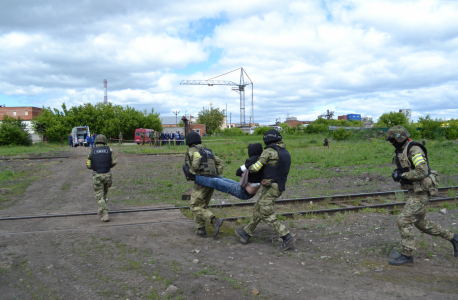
x=101 y=183
x=263 y=211
x=414 y=213
x=200 y=197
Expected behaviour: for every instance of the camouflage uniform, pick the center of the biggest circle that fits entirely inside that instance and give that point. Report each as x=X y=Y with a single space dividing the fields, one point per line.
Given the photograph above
x=421 y=183
x=201 y=195
x=142 y=137
x=414 y=212
x=101 y=182
x=151 y=137
x=120 y=138
x=263 y=210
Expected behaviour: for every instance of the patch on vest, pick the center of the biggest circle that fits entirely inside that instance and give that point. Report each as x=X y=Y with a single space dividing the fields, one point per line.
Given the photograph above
x=101 y=151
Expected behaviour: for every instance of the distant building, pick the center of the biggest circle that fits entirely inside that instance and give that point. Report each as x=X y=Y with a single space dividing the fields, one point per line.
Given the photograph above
x=26 y=113
x=293 y=122
x=353 y=117
x=344 y=117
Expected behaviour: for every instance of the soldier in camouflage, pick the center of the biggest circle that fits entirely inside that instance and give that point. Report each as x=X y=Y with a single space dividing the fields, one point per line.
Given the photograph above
x=151 y=137
x=274 y=162
x=120 y=138
x=101 y=159
x=142 y=136
x=414 y=173
x=200 y=160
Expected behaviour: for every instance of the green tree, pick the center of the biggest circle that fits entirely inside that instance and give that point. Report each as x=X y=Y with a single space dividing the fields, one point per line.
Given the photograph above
x=430 y=129
x=234 y=131
x=261 y=130
x=102 y=119
x=341 y=134
x=14 y=132
x=212 y=118
x=392 y=119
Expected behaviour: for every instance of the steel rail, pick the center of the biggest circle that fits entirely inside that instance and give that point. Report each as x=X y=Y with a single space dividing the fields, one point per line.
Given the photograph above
x=42 y=157
x=251 y=203
x=331 y=211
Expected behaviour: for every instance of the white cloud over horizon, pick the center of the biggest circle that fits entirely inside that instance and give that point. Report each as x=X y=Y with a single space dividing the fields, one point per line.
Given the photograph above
x=366 y=57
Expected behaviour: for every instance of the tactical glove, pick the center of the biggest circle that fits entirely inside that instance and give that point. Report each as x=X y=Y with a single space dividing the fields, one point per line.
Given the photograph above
x=397 y=175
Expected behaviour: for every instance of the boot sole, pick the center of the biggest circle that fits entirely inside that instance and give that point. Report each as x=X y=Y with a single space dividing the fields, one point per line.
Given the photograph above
x=290 y=244
x=242 y=239
x=218 y=226
x=400 y=264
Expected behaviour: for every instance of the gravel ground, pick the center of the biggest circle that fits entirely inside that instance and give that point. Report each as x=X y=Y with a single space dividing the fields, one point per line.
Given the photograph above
x=156 y=255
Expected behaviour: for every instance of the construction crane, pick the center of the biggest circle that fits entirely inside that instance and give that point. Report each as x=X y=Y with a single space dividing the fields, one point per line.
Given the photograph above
x=328 y=115
x=237 y=87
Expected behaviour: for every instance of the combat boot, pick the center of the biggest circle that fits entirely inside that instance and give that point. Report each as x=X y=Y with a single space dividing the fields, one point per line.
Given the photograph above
x=216 y=225
x=454 y=242
x=202 y=232
x=187 y=173
x=288 y=242
x=244 y=237
x=105 y=218
x=401 y=260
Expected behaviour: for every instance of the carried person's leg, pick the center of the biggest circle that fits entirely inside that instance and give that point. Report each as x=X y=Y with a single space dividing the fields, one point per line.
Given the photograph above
x=224 y=185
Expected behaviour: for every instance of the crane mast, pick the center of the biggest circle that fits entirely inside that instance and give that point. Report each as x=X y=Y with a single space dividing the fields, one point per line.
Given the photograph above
x=239 y=88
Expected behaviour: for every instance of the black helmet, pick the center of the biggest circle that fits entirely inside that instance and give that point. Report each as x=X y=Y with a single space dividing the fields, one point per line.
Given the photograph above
x=271 y=136
x=100 y=139
x=193 y=138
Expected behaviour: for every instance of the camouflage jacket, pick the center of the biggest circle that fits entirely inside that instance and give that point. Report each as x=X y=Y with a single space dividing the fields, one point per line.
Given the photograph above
x=268 y=157
x=421 y=169
x=114 y=161
x=120 y=136
x=142 y=135
x=194 y=155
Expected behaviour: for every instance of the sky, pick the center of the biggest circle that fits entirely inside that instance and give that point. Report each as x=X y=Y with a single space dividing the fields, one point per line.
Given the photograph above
x=303 y=57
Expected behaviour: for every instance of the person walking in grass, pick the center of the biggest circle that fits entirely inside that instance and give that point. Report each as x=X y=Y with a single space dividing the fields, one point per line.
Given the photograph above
x=414 y=173
x=120 y=139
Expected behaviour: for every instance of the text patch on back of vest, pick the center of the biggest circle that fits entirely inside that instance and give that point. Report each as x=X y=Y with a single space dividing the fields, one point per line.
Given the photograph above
x=100 y=151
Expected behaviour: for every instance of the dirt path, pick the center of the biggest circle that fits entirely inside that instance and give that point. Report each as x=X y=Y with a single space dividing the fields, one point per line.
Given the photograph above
x=139 y=255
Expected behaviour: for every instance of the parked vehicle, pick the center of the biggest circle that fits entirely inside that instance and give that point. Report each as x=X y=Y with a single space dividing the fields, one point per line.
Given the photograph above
x=79 y=134
x=138 y=132
x=252 y=129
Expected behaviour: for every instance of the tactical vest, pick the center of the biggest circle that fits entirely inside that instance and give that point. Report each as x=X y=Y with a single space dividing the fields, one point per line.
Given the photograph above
x=404 y=164
x=279 y=172
x=207 y=165
x=101 y=159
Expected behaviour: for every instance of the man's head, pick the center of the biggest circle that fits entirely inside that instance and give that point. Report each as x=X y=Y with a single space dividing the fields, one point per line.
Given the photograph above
x=397 y=136
x=272 y=136
x=193 y=138
x=100 y=139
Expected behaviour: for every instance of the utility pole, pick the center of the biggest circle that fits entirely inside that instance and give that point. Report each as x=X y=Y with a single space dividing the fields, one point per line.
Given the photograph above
x=176 y=114
x=230 y=123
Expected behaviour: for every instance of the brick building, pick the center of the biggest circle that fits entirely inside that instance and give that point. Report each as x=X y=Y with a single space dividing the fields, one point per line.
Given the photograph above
x=172 y=123
x=26 y=113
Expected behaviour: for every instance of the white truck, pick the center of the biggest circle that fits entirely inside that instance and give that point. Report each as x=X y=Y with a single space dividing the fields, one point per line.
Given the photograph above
x=79 y=134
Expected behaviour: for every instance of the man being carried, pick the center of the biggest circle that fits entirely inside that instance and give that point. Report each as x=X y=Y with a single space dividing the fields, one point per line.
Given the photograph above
x=232 y=187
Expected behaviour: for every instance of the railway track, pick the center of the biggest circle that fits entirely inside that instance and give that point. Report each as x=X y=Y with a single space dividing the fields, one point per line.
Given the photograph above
x=351 y=202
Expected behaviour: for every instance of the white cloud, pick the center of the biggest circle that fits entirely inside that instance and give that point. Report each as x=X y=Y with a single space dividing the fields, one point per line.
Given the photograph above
x=365 y=57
